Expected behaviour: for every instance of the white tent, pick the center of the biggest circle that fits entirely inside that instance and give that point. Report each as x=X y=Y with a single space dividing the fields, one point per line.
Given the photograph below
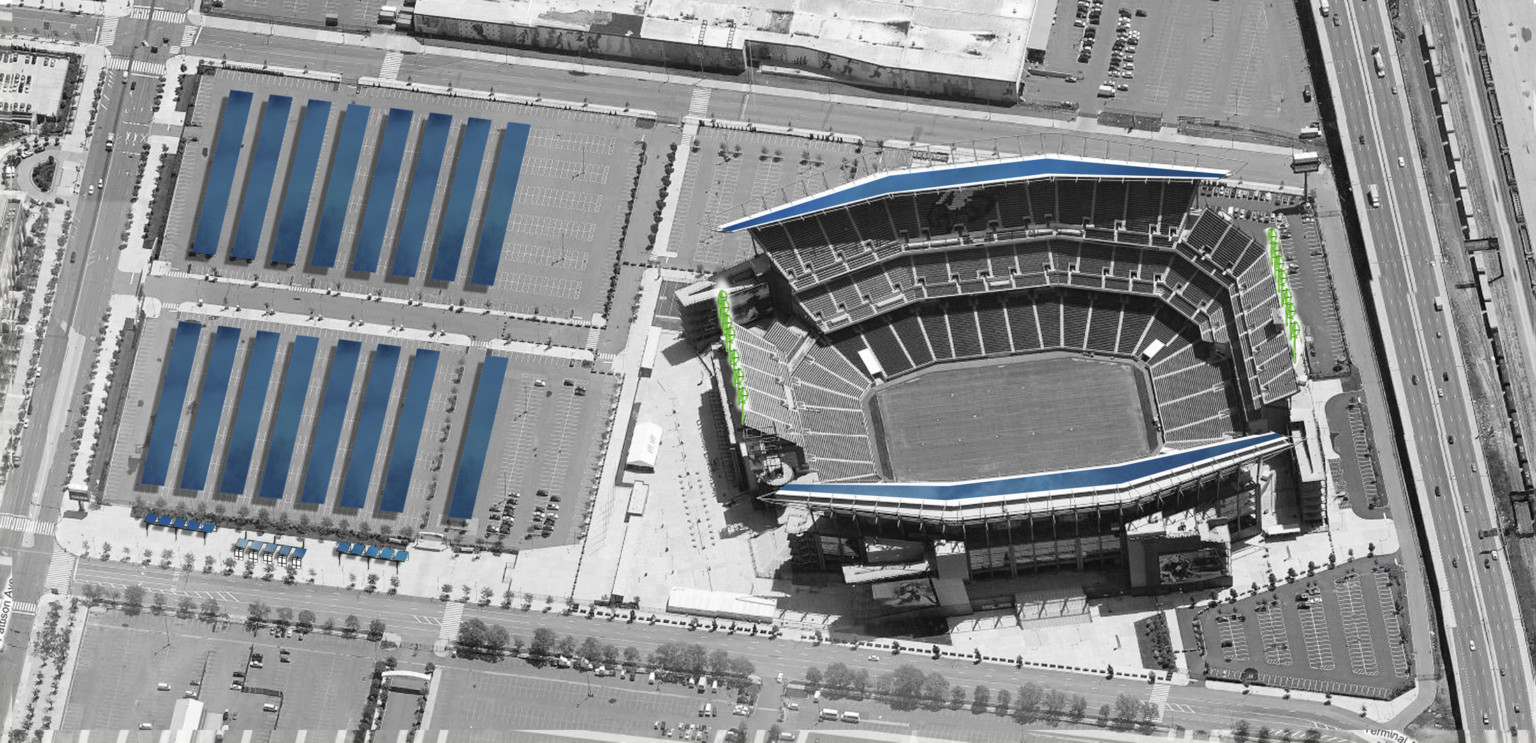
x=644 y=447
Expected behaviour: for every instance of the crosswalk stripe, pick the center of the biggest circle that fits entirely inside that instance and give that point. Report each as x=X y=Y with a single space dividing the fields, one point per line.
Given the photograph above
x=391 y=67
x=453 y=616
x=24 y=607
x=60 y=570
x=108 y=34
x=699 y=106
x=13 y=522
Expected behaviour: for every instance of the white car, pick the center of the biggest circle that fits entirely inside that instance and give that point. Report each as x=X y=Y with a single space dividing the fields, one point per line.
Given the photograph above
x=1400 y=162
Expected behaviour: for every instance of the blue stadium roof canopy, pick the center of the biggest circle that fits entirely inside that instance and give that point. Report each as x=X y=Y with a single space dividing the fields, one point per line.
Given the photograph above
x=984 y=173
x=1046 y=485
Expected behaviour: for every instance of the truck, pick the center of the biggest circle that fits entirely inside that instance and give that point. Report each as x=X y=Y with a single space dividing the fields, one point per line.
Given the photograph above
x=1381 y=67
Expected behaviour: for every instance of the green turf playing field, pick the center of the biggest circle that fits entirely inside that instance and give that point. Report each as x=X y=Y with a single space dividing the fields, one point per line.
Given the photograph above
x=1025 y=414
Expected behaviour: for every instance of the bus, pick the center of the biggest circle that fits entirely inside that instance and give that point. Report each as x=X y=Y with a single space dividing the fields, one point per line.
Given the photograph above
x=830 y=714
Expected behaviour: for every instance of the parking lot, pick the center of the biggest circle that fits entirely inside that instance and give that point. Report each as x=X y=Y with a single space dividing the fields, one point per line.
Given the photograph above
x=353 y=219
x=1239 y=61
x=125 y=659
x=1338 y=631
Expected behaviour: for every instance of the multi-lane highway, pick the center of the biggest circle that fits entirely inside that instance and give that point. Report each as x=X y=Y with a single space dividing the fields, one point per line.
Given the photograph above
x=1480 y=614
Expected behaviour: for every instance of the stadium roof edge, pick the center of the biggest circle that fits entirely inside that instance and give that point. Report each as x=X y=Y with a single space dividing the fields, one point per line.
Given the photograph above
x=1038 y=484
x=966 y=175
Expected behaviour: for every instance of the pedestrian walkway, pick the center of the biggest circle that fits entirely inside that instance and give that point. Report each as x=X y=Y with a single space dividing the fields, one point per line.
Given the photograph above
x=390 y=70
x=140 y=67
x=24 y=607
x=107 y=35
x=699 y=106
x=453 y=616
x=25 y=525
x=60 y=570
x=188 y=38
x=145 y=13
x=1159 y=697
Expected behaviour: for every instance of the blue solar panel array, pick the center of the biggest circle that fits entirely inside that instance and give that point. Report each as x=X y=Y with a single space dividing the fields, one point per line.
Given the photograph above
x=258 y=184
x=477 y=437
x=413 y=416
x=381 y=194
x=370 y=424
x=221 y=173
x=173 y=395
x=253 y=399
x=498 y=205
x=330 y=414
x=338 y=192
x=333 y=413
x=301 y=182
x=418 y=205
x=210 y=408
x=285 y=427
x=461 y=196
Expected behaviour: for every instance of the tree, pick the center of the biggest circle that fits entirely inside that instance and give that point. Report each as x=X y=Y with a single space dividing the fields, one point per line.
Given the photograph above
x=837 y=680
x=376 y=630
x=306 y=621
x=284 y=616
x=1028 y=706
x=255 y=614
x=210 y=610
x=935 y=689
x=631 y=657
x=1312 y=736
x=133 y=600
x=956 y=697
x=185 y=607
x=1241 y=731
x=812 y=678
x=719 y=662
x=543 y=643
x=1263 y=735
x=610 y=654
x=158 y=603
x=692 y=658
x=1127 y=708
x=591 y=649
x=350 y=626
x=1104 y=714
x=1004 y=699
x=566 y=646
x=981 y=699
x=741 y=668
x=773 y=731
x=1079 y=707
x=1055 y=702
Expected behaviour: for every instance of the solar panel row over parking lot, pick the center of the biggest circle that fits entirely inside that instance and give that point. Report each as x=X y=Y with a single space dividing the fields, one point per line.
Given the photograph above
x=328 y=411
x=371 y=231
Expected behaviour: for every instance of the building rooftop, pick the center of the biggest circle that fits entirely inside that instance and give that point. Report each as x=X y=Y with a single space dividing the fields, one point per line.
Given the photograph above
x=984 y=39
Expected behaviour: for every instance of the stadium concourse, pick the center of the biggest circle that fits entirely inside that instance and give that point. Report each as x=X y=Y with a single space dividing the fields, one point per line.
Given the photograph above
x=1009 y=270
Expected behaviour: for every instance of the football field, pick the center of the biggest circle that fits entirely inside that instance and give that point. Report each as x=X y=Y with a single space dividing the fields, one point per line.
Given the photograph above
x=1020 y=415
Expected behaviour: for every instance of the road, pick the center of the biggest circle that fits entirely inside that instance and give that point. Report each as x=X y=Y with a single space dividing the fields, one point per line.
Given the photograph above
x=35 y=488
x=1477 y=600
x=417 y=620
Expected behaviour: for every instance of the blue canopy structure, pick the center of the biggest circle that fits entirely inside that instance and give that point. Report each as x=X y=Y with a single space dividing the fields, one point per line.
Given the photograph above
x=371 y=552
x=165 y=520
x=386 y=554
x=242 y=543
x=149 y=518
x=343 y=547
x=358 y=549
x=401 y=555
x=982 y=173
x=298 y=553
x=284 y=550
x=255 y=546
x=207 y=527
x=270 y=548
x=178 y=522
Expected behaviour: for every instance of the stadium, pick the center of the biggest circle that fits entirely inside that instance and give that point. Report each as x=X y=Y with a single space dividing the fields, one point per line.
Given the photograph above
x=997 y=367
